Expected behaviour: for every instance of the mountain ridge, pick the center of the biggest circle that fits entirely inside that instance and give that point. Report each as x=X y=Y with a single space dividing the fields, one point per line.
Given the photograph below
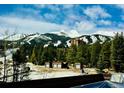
x=48 y=38
x=56 y=40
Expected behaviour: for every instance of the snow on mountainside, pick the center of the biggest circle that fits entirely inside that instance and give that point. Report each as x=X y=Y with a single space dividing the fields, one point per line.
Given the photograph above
x=36 y=37
x=44 y=39
x=58 y=43
x=57 y=38
x=95 y=37
x=86 y=38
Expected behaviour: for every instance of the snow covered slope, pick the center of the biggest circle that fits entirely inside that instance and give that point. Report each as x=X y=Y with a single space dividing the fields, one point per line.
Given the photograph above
x=95 y=37
x=57 y=38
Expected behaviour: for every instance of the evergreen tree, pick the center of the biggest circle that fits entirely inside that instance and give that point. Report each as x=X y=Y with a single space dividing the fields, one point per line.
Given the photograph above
x=51 y=54
x=44 y=56
x=61 y=54
x=117 y=53
x=33 y=57
x=88 y=56
x=95 y=50
x=38 y=53
x=81 y=55
x=104 y=56
x=48 y=55
x=71 y=54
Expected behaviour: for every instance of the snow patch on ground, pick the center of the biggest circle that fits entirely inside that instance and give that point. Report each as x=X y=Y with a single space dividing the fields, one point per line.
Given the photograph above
x=44 y=75
x=36 y=74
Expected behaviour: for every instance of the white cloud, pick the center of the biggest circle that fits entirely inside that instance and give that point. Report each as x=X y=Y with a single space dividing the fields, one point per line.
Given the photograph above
x=85 y=26
x=68 y=6
x=30 y=20
x=105 y=22
x=29 y=25
x=88 y=27
x=69 y=33
x=24 y=12
x=53 y=7
x=73 y=33
x=120 y=6
x=49 y=16
x=28 y=11
x=39 y=6
x=121 y=25
x=71 y=19
x=122 y=17
x=96 y=12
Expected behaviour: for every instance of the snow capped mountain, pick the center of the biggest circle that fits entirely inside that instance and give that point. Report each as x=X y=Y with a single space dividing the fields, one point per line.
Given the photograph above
x=44 y=39
x=95 y=37
x=71 y=33
x=36 y=37
x=61 y=38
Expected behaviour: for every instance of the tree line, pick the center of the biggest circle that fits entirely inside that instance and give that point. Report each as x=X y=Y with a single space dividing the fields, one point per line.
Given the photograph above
x=109 y=54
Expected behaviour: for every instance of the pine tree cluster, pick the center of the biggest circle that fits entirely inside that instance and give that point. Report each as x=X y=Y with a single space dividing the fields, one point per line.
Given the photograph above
x=109 y=54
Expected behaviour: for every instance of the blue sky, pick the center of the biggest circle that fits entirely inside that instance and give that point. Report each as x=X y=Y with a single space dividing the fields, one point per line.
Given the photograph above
x=86 y=19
